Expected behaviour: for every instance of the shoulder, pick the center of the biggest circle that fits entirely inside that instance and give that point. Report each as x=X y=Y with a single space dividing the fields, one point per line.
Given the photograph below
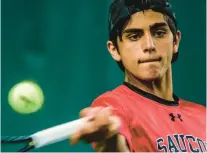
x=109 y=98
x=192 y=106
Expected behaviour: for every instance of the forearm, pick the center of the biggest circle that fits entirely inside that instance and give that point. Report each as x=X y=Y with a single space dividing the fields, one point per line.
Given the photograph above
x=115 y=144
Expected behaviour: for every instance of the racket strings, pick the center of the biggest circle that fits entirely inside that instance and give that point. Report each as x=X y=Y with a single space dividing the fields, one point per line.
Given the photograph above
x=15 y=139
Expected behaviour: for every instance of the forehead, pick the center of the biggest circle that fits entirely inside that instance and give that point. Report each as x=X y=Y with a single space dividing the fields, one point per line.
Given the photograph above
x=144 y=19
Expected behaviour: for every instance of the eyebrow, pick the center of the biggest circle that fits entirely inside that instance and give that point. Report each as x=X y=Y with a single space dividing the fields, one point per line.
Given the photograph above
x=158 y=25
x=137 y=30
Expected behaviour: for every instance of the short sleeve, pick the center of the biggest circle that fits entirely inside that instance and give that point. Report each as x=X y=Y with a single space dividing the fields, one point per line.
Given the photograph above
x=118 y=111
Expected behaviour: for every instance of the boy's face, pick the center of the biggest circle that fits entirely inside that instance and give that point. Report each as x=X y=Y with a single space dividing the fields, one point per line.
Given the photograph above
x=147 y=46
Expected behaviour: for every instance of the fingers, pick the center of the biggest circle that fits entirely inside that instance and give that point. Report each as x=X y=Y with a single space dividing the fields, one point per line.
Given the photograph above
x=89 y=111
x=75 y=138
x=103 y=132
x=114 y=126
x=103 y=125
x=89 y=133
x=102 y=116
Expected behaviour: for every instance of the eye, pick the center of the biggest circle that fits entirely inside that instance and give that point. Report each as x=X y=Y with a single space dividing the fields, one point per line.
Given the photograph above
x=133 y=37
x=159 y=33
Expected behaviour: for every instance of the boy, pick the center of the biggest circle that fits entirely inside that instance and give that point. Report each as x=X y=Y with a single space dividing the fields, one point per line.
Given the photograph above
x=143 y=114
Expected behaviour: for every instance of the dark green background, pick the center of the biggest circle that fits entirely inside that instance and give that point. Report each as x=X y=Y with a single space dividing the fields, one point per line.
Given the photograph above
x=61 y=44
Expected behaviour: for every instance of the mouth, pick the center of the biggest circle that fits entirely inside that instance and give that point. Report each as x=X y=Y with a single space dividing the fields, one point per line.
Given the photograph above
x=150 y=60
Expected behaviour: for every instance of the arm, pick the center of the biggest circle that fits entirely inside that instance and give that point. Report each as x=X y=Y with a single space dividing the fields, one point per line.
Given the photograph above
x=107 y=129
x=121 y=141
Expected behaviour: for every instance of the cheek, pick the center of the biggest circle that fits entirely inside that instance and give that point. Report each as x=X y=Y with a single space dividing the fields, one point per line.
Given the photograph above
x=129 y=55
x=165 y=49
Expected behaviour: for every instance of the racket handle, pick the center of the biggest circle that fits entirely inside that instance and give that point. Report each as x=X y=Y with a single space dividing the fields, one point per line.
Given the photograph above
x=57 y=133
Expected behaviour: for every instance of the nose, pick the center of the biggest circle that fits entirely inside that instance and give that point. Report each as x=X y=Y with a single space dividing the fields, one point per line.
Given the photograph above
x=148 y=45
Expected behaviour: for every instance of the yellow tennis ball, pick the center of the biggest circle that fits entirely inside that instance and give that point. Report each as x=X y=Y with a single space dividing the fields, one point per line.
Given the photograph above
x=26 y=97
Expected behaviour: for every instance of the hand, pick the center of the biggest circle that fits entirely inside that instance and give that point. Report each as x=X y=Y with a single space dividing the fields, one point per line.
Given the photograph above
x=100 y=126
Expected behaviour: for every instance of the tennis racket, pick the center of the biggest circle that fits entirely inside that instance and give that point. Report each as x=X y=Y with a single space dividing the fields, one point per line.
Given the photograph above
x=46 y=137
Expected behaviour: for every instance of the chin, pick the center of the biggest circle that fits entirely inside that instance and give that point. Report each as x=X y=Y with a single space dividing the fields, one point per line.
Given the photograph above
x=149 y=77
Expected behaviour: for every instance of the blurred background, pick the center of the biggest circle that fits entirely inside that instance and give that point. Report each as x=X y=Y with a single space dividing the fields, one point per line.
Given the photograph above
x=61 y=45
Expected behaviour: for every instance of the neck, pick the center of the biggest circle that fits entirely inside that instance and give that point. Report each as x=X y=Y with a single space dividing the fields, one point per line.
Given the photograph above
x=161 y=88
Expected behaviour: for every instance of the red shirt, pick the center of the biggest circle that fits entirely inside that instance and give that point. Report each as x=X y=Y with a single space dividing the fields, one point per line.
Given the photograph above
x=152 y=124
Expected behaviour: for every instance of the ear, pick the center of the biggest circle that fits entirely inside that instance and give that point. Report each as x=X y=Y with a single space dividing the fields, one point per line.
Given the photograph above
x=176 y=42
x=113 y=51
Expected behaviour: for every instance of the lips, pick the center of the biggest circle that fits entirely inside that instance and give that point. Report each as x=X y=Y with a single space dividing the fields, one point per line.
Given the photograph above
x=148 y=60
